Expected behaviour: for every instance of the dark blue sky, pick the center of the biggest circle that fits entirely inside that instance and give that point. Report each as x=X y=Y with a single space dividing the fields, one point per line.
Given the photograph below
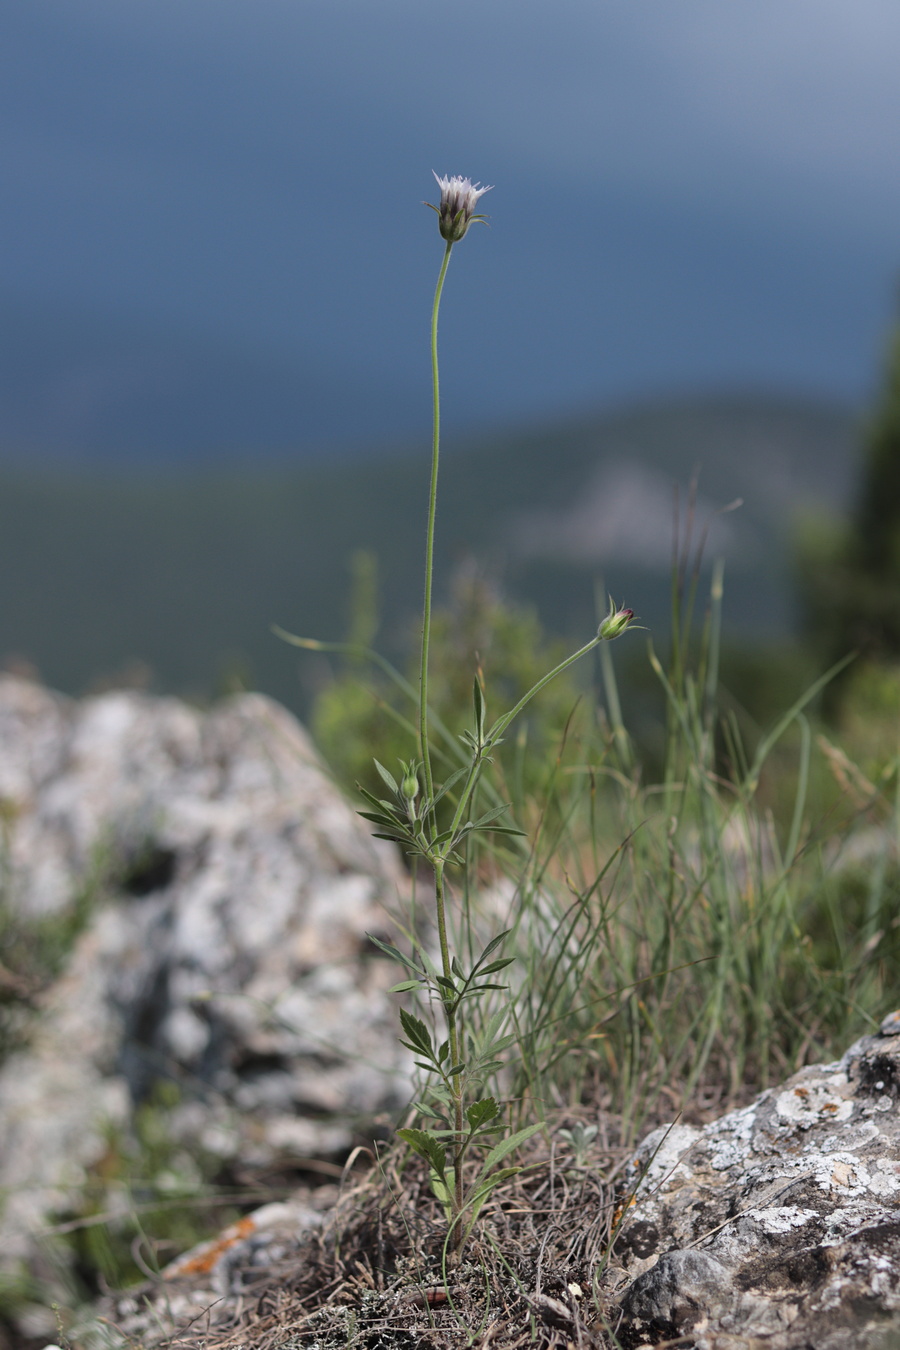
x=212 y=236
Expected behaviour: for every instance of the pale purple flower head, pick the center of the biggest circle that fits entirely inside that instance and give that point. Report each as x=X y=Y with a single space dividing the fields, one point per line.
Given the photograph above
x=459 y=197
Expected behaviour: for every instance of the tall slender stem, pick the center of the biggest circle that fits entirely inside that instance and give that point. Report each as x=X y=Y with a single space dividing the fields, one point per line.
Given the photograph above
x=429 y=546
x=453 y=1037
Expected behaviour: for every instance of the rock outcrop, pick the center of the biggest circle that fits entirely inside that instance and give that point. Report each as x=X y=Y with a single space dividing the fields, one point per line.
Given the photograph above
x=777 y=1226
x=225 y=890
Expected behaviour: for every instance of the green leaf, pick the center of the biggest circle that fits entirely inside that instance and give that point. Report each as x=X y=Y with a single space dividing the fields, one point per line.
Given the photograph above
x=427 y=1109
x=498 y=1046
x=395 y=954
x=490 y=1036
x=499 y=1151
x=498 y=965
x=496 y=829
x=488 y=816
x=481 y=1193
x=492 y=946
x=450 y=783
x=405 y=986
x=457 y=968
x=379 y=818
x=417 y=1040
x=485 y=1187
x=387 y=778
x=443 y=1193
x=442 y=837
x=415 y=1029
x=428 y=1147
x=379 y=802
x=479 y=1113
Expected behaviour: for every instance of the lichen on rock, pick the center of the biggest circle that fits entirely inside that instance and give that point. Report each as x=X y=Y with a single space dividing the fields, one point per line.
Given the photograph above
x=792 y=1207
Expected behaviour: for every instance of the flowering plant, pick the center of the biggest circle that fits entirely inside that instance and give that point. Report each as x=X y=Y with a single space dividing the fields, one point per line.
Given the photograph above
x=461 y=1144
x=456 y=1064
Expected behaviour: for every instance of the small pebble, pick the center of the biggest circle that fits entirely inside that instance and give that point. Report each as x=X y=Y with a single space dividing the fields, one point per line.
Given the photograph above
x=891 y=1024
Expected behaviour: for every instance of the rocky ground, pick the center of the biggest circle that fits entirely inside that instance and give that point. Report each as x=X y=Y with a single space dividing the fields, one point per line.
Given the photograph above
x=215 y=893
x=775 y=1227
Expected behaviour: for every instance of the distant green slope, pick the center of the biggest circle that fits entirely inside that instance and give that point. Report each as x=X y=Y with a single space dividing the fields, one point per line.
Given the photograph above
x=185 y=571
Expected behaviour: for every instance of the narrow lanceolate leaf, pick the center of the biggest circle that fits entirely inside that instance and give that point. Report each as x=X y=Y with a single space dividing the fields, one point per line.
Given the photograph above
x=405 y=987
x=427 y=1109
x=497 y=1047
x=485 y=1187
x=488 y=816
x=376 y=801
x=492 y=1066
x=449 y=784
x=506 y=1146
x=394 y=953
x=478 y=1196
x=442 y=837
x=416 y=1049
x=442 y=1192
x=497 y=965
x=497 y=829
x=387 y=778
x=492 y=1029
x=493 y=945
x=380 y=818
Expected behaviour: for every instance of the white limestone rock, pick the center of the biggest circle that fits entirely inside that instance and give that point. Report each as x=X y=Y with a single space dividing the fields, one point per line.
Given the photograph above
x=225 y=947
x=792 y=1205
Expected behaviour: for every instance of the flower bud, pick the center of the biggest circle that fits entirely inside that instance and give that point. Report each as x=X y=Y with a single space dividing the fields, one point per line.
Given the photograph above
x=409 y=786
x=615 y=623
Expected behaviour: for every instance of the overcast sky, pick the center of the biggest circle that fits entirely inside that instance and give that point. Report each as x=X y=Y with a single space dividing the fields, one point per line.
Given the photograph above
x=212 y=228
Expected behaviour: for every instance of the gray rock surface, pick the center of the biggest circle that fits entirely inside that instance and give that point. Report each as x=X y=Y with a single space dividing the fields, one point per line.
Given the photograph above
x=227 y=889
x=777 y=1226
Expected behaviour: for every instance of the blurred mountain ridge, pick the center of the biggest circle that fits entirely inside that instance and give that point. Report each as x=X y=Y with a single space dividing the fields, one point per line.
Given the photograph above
x=185 y=570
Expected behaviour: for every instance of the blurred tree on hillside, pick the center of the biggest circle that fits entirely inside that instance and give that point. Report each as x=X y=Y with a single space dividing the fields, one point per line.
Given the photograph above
x=851 y=576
